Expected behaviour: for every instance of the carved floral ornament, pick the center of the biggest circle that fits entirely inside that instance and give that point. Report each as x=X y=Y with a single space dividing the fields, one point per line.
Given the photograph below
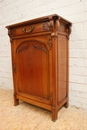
x=50 y=43
x=38 y=46
x=46 y=26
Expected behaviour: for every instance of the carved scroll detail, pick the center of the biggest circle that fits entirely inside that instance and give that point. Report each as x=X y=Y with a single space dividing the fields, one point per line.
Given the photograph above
x=11 y=32
x=40 y=47
x=68 y=31
x=23 y=46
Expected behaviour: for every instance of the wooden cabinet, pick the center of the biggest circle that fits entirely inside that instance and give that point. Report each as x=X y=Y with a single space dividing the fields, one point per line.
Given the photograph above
x=40 y=62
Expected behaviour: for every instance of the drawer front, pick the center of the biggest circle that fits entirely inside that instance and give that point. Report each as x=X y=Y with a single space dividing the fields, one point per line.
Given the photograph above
x=30 y=29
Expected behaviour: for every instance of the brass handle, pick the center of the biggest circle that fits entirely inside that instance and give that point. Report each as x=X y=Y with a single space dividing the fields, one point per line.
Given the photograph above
x=26 y=31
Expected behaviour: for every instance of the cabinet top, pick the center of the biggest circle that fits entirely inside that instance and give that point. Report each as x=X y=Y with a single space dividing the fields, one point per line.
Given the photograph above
x=40 y=19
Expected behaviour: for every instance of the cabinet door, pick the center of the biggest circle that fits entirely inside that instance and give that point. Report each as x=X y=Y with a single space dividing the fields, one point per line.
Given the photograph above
x=32 y=61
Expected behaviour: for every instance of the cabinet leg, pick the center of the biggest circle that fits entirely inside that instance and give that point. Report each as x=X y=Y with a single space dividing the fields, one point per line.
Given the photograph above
x=16 y=101
x=66 y=104
x=54 y=114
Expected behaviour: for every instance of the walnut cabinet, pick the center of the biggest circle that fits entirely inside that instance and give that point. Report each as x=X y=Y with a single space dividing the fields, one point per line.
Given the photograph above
x=39 y=50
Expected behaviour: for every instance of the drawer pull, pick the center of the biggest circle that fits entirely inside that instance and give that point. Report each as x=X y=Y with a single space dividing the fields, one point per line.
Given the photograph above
x=26 y=31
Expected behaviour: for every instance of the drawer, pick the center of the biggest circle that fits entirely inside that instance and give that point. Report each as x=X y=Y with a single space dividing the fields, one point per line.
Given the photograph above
x=31 y=29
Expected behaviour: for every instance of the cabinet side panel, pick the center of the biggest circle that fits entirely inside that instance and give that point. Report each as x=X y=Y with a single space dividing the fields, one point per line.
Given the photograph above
x=62 y=67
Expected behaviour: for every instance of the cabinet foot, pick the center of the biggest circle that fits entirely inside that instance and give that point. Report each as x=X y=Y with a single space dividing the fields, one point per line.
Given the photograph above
x=54 y=114
x=66 y=105
x=16 y=102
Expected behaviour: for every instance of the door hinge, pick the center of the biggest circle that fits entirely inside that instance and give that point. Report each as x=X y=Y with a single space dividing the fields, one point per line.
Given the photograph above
x=51 y=99
x=14 y=68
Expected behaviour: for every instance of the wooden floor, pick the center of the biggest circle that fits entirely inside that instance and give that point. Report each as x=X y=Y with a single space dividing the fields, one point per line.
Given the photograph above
x=29 y=117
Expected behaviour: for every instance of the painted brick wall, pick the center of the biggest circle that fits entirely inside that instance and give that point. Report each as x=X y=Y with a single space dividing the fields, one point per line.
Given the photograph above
x=13 y=11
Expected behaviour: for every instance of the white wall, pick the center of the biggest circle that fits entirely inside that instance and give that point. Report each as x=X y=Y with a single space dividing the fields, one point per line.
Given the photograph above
x=13 y=11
